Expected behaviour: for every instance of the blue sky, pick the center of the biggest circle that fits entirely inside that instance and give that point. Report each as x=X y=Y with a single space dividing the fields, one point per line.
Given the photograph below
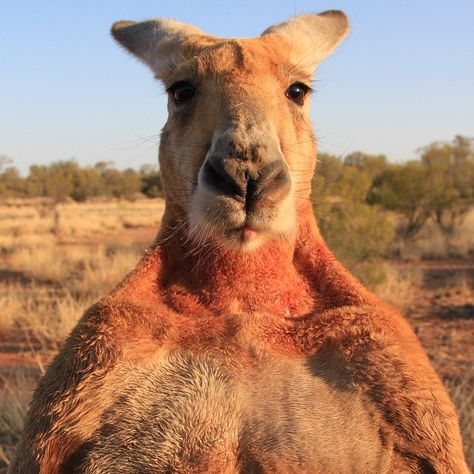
x=403 y=78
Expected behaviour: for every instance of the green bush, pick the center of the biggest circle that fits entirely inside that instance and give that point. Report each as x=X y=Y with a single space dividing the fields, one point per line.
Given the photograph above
x=408 y=190
x=360 y=235
x=151 y=184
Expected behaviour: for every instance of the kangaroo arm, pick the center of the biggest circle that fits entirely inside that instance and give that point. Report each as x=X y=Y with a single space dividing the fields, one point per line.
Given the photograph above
x=398 y=377
x=66 y=394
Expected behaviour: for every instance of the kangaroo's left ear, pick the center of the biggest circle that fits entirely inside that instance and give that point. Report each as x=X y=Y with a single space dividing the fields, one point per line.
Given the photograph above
x=312 y=37
x=159 y=43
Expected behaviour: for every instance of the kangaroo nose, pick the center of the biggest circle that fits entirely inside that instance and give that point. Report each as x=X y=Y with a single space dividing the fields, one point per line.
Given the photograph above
x=244 y=180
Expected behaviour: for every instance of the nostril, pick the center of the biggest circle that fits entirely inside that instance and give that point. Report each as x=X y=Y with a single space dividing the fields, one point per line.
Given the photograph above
x=274 y=171
x=273 y=182
x=216 y=177
x=210 y=173
x=281 y=181
x=282 y=176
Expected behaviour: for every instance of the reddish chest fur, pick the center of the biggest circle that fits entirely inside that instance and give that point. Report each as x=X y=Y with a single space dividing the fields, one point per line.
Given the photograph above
x=208 y=300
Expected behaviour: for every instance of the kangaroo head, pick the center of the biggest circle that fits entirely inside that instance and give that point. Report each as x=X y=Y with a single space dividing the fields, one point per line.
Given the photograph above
x=237 y=153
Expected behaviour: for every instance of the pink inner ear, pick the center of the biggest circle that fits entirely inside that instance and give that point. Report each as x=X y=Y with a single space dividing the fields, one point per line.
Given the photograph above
x=317 y=35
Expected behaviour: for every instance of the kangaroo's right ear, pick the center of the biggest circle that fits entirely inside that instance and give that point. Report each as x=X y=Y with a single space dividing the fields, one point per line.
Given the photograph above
x=312 y=37
x=159 y=43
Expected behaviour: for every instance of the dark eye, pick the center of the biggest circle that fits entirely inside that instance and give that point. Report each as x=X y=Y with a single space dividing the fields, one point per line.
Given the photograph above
x=181 y=92
x=297 y=92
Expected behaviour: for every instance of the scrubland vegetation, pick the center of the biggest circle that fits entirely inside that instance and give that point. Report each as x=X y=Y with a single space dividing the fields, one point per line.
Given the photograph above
x=66 y=179
x=69 y=234
x=369 y=209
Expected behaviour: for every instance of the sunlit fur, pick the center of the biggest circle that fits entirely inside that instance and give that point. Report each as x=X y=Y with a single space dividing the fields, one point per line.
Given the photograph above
x=250 y=108
x=220 y=356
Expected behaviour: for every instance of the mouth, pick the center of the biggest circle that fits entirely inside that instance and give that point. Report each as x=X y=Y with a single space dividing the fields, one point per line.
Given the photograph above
x=230 y=223
x=248 y=234
x=245 y=237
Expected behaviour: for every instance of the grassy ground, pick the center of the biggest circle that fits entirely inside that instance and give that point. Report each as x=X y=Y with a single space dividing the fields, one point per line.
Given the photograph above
x=56 y=261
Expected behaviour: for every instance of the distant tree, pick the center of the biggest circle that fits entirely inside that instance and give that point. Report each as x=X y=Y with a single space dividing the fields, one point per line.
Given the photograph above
x=102 y=166
x=67 y=179
x=38 y=182
x=353 y=184
x=329 y=167
x=87 y=183
x=361 y=236
x=408 y=190
x=451 y=169
x=151 y=184
x=372 y=165
x=5 y=163
x=11 y=183
x=57 y=181
x=121 y=183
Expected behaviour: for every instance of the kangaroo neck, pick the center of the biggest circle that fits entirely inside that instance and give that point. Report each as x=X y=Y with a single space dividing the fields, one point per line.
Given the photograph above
x=284 y=277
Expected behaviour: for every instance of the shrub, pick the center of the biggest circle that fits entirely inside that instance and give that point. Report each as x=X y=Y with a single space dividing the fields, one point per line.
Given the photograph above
x=359 y=234
x=408 y=190
x=151 y=184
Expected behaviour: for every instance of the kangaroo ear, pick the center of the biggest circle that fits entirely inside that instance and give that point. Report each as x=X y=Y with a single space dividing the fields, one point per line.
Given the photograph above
x=159 y=43
x=313 y=37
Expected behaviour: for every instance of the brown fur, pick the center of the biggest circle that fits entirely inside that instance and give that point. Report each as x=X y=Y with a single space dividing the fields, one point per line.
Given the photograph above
x=215 y=357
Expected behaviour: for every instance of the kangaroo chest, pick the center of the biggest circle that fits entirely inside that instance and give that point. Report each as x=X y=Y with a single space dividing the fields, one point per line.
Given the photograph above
x=188 y=413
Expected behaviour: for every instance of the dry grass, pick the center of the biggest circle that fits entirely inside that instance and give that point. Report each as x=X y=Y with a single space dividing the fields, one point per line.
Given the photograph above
x=51 y=271
x=14 y=399
x=404 y=289
x=431 y=244
x=83 y=269
x=54 y=263
x=33 y=223
x=399 y=288
x=58 y=284
x=462 y=394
